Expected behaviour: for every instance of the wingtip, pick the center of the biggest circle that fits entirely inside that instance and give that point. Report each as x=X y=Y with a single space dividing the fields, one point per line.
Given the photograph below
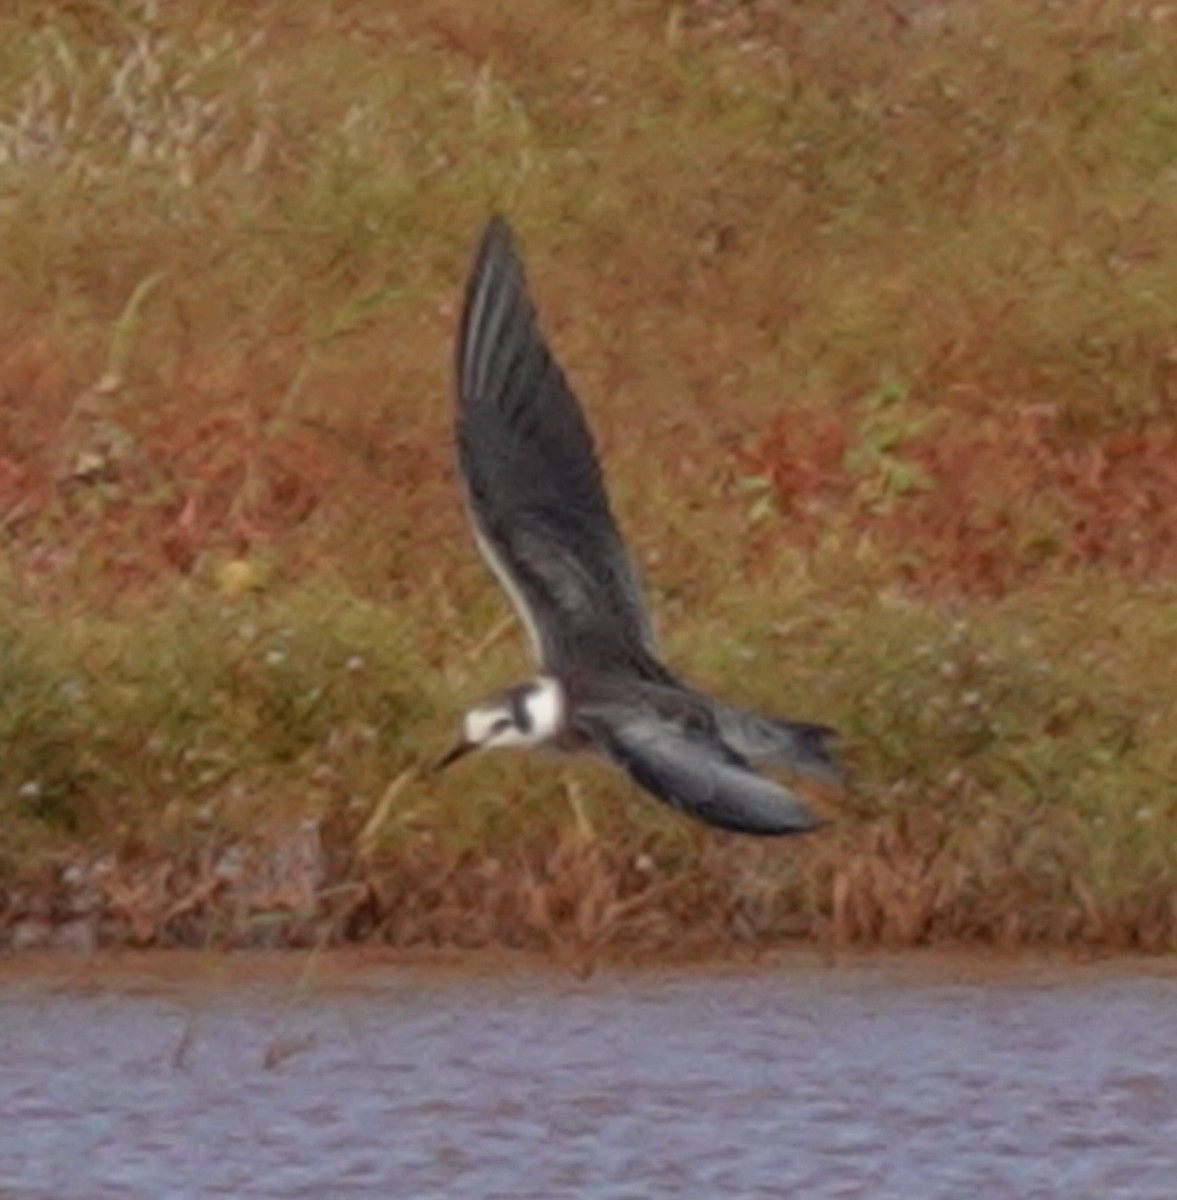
x=497 y=240
x=496 y=294
x=800 y=819
x=793 y=819
x=497 y=226
x=496 y=257
x=811 y=822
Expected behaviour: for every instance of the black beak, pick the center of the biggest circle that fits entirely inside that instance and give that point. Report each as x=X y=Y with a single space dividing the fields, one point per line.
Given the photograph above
x=451 y=756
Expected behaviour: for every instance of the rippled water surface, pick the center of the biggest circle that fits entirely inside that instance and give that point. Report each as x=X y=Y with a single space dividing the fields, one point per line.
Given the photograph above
x=883 y=1080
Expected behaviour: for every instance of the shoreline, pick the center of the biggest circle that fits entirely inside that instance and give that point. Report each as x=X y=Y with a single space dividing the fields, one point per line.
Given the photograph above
x=346 y=969
x=569 y=898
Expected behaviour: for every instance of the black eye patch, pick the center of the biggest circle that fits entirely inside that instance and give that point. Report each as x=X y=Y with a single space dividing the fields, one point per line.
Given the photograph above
x=519 y=711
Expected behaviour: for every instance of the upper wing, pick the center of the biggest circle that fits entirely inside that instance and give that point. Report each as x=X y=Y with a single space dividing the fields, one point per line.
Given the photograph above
x=702 y=777
x=534 y=489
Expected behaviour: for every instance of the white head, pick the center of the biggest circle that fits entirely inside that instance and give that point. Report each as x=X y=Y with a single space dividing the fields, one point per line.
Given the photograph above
x=521 y=717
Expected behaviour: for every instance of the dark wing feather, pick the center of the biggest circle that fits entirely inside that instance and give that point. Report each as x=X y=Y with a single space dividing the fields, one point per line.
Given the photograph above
x=700 y=776
x=533 y=485
x=799 y=746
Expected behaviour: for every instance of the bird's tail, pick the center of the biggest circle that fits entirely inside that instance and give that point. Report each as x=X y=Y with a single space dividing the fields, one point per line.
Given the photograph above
x=800 y=746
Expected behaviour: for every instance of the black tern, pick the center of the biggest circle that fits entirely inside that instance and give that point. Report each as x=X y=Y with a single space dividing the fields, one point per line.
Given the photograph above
x=536 y=501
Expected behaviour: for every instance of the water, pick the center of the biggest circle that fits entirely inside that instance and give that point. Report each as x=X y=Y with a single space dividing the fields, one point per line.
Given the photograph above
x=884 y=1080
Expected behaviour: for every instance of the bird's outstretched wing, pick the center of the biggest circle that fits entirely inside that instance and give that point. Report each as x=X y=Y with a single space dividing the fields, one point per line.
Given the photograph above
x=533 y=486
x=701 y=776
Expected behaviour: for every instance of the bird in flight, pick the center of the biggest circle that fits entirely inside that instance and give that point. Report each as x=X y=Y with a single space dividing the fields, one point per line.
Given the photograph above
x=541 y=518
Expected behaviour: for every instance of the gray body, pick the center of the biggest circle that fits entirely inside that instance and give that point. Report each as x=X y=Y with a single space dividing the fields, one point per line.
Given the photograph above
x=541 y=517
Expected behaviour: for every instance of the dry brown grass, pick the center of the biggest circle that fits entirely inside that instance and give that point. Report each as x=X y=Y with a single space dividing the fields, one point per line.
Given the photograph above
x=876 y=335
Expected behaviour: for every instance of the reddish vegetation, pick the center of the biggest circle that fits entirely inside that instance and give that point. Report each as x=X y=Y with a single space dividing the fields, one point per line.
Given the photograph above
x=578 y=898
x=993 y=499
x=214 y=464
x=998 y=499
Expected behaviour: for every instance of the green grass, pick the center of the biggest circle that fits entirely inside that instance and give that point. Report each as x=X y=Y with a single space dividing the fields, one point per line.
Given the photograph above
x=237 y=589
x=1029 y=744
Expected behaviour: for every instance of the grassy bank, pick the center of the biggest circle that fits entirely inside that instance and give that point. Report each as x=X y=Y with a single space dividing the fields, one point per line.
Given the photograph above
x=876 y=335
